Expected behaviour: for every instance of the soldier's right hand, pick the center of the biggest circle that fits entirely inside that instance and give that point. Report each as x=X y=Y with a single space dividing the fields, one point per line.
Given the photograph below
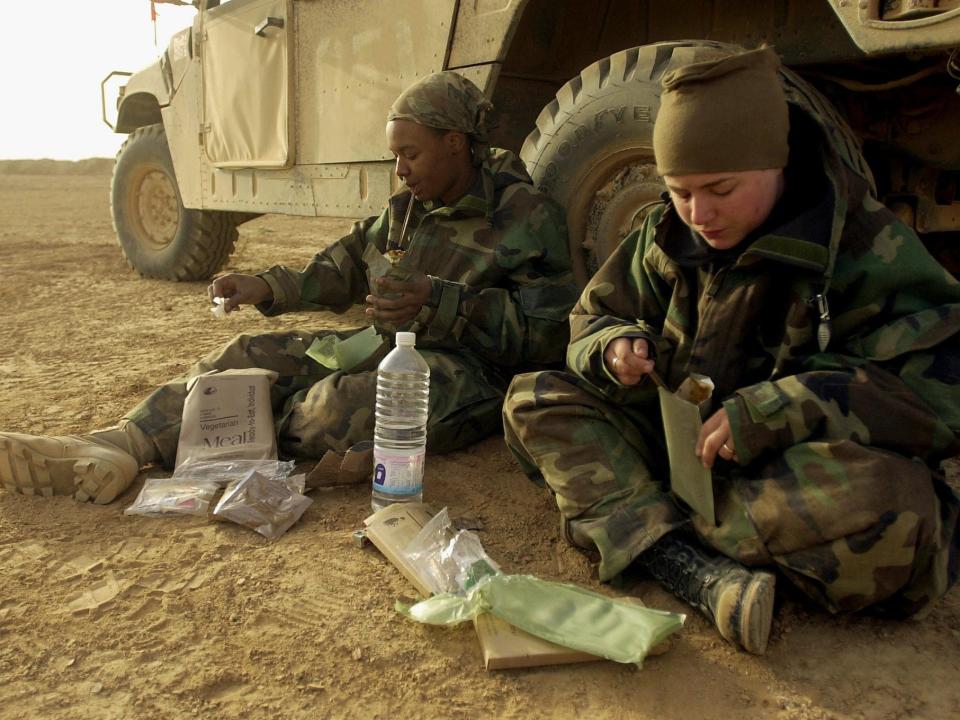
x=628 y=359
x=237 y=290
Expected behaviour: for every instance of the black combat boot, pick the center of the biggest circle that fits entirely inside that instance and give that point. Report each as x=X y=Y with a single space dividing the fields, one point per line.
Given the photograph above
x=739 y=602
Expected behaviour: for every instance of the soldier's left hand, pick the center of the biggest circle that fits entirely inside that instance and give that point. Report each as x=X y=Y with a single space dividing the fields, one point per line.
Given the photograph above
x=399 y=301
x=716 y=440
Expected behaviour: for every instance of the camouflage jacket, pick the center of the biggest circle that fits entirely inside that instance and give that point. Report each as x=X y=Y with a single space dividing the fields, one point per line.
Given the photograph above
x=498 y=260
x=842 y=270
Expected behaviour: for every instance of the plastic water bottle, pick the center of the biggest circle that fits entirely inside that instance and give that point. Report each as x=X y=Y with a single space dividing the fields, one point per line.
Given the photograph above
x=400 y=433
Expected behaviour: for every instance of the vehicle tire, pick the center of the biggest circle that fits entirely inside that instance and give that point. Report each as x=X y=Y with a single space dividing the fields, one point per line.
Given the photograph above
x=159 y=237
x=592 y=149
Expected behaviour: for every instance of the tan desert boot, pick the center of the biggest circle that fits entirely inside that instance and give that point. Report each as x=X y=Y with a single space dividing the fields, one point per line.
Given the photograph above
x=67 y=465
x=350 y=468
x=738 y=600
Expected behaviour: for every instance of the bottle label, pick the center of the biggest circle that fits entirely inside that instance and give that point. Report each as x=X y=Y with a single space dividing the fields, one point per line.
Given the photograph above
x=397 y=472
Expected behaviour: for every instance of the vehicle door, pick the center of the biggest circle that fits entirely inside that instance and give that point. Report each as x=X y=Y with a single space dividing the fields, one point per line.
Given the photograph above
x=245 y=59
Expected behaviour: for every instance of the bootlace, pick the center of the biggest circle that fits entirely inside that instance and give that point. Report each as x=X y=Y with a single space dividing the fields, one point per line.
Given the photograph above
x=678 y=568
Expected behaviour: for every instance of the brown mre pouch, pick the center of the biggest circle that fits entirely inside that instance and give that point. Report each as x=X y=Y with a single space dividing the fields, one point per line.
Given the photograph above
x=227 y=416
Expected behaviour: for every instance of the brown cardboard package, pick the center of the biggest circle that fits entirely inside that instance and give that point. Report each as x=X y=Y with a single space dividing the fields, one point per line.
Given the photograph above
x=227 y=416
x=503 y=646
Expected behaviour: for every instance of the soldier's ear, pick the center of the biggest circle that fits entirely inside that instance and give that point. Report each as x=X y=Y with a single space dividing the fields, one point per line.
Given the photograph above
x=456 y=142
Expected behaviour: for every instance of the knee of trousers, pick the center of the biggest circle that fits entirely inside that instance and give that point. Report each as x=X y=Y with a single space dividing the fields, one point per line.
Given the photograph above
x=333 y=414
x=533 y=391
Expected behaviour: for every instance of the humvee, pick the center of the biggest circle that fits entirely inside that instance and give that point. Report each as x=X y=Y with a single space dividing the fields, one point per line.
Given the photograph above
x=278 y=106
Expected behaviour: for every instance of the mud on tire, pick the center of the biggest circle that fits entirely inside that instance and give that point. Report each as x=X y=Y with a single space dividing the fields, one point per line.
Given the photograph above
x=158 y=236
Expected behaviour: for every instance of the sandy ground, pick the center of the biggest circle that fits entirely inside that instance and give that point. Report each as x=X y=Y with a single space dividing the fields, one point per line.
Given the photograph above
x=110 y=616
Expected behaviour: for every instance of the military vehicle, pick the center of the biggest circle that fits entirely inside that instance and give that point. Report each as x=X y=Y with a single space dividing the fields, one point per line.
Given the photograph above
x=278 y=106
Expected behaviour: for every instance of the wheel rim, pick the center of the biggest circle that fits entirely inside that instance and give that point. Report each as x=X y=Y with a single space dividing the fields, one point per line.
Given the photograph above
x=154 y=207
x=606 y=201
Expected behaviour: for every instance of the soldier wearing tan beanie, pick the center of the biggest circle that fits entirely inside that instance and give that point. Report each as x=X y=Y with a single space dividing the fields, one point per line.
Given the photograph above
x=723 y=116
x=774 y=271
x=720 y=141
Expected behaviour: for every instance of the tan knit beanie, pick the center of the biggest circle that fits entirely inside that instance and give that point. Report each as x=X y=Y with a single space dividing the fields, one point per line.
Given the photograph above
x=723 y=115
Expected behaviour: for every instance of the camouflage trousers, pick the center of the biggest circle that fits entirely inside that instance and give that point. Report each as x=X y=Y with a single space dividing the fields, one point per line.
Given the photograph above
x=317 y=409
x=850 y=526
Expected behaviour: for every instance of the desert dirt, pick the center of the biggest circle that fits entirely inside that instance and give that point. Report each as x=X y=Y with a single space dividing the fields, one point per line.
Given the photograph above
x=104 y=615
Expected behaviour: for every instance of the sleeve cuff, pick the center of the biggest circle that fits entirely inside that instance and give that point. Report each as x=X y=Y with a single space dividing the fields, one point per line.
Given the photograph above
x=436 y=291
x=763 y=400
x=279 y=302
x=736 y=412
x=605 y=371
x=757 y=420
x=441 y=315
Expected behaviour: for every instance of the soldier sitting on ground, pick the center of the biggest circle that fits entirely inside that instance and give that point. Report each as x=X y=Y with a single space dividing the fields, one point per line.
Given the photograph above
x=831 y=336
x=490 y=290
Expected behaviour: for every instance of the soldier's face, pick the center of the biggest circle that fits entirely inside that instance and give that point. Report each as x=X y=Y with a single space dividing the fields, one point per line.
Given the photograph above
x=429 y=161
x=725 y=207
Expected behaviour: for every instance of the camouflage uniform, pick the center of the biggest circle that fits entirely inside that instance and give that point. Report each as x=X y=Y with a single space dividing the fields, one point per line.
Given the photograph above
x=502 y=289
x=836 y=483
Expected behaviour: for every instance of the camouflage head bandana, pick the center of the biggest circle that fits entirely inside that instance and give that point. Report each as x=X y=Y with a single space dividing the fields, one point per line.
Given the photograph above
x=446 y=101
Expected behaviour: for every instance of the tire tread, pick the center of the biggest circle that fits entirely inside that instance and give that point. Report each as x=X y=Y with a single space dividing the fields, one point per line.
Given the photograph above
x=209 y=236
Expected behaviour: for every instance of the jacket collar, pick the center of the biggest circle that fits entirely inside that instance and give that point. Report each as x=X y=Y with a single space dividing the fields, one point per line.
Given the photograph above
x=500 y=169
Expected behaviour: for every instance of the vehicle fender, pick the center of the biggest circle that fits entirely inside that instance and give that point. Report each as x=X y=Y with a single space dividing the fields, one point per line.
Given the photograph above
x=144 y=95
x=876 y=36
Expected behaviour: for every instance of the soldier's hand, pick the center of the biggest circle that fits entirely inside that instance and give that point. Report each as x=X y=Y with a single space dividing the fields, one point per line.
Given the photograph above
x=628 y=359
x=399 y=301
x=237 y=290
x=716 y=440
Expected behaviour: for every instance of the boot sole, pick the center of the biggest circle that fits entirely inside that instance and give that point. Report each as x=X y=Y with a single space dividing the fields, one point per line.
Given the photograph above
x=29 y=472
x=756 y=613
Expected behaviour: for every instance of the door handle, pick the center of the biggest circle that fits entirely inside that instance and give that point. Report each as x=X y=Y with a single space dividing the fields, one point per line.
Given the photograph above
x=261 y=28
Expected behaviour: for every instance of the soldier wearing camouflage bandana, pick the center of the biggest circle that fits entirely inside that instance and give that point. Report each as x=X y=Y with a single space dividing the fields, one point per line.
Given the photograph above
x=831 y=336
x=448 y=101
x=485 y=282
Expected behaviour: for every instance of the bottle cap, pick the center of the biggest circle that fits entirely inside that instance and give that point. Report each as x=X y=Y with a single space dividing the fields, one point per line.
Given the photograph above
x=407 y=338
